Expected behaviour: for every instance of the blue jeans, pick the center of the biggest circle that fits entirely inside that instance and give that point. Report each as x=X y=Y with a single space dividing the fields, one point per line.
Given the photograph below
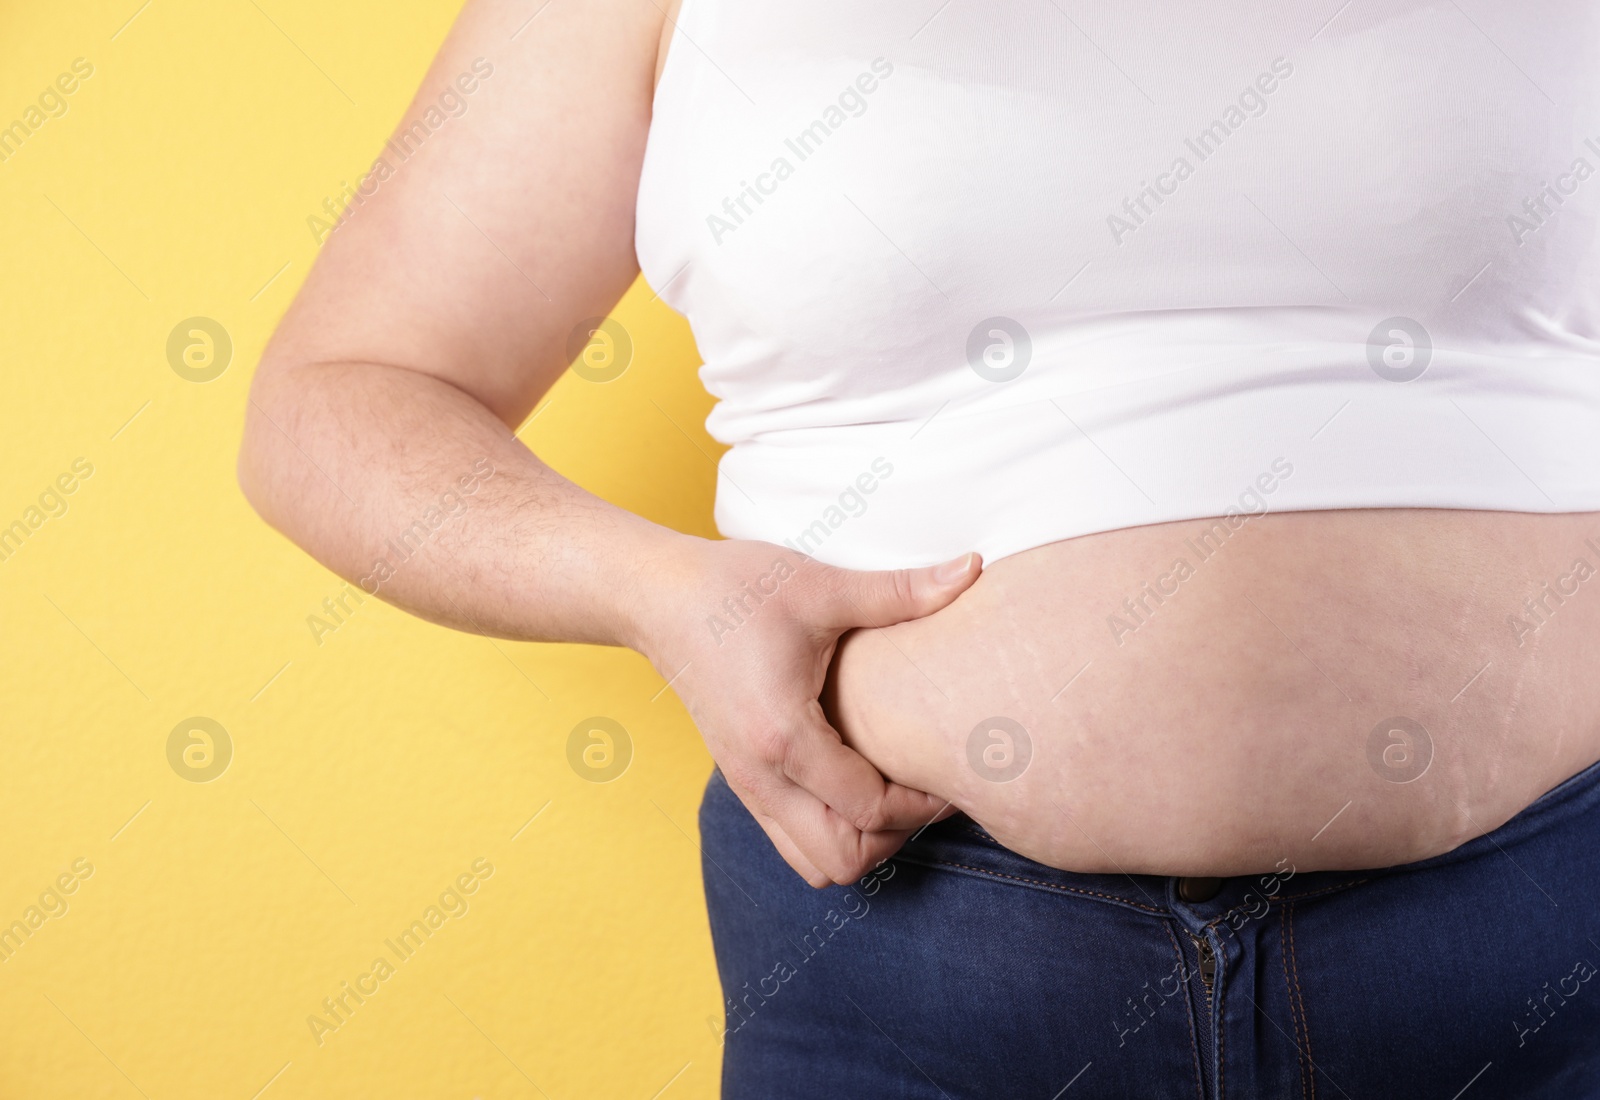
x=959 y=969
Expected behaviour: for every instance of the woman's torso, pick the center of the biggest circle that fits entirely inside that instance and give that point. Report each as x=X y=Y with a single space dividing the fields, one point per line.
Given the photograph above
x=1315 y=690
x=1054 y=287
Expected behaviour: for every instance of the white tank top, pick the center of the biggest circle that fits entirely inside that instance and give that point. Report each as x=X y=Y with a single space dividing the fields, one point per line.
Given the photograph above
x=986 y=274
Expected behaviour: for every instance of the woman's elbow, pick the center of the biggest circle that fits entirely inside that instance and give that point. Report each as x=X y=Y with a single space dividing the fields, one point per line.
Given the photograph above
x=258 y=467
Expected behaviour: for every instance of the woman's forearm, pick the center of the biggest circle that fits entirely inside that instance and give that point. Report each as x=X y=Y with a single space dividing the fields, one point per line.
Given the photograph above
x=409 y=487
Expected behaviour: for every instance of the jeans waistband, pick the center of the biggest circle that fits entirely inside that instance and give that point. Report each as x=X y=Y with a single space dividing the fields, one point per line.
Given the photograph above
x=959 y=844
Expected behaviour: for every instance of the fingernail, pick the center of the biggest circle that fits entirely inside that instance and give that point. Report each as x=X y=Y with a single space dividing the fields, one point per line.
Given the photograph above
x=952 y=571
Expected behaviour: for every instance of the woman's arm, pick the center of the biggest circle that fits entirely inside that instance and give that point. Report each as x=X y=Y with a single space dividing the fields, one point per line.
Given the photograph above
x=381 y=420
x=438 y=313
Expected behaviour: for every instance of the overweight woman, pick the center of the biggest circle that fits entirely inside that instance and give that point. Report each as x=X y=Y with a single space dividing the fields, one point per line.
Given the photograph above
x=1152 y=650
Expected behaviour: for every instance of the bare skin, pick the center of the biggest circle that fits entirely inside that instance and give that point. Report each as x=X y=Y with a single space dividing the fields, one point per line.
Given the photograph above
x=439 y=314
x=1224 y=732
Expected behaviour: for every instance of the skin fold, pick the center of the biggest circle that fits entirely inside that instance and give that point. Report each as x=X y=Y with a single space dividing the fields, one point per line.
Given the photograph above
x=1225 y=731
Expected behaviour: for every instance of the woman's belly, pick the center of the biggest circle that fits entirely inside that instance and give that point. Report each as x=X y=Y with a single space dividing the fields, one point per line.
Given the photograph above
x=1316 y=690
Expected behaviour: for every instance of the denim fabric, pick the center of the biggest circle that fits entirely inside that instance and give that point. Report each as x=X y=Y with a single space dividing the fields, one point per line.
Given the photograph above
x=959 y=969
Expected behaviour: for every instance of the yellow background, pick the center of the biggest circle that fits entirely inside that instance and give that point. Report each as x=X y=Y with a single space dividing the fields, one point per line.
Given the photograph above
x=369 y=770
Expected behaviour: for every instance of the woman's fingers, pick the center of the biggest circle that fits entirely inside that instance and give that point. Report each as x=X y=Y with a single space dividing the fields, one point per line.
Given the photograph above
x=831 y=844
x=858 y=598
x=817 y=760
x=823 y=844
x=780 y=839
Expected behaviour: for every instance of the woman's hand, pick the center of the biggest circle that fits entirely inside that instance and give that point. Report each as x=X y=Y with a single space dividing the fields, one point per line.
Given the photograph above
x=744 y=632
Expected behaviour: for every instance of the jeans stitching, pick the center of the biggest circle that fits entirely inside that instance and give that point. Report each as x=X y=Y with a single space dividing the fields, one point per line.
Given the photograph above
x=977 y=830
x=1305 y=1023
x=1323 y=890
x=1225 y=914
x=1288 y=991
x=1194 y=1042
x=1220 y=1021
x=1035 y=882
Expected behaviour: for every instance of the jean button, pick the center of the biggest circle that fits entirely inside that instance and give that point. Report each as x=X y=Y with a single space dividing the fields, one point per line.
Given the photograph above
x=1197 y=890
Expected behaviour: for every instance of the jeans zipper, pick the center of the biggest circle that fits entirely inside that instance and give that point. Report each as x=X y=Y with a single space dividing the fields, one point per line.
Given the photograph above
x=1208 y=964
x=1205 y=1025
